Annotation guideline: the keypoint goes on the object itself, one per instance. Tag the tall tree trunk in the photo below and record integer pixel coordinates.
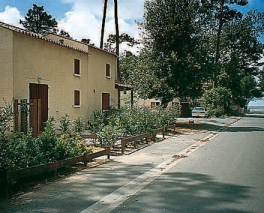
(103, 24)
(217, 50)
(219, 31)
(117, 37)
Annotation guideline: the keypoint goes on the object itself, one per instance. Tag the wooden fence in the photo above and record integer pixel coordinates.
(145, 137)
(38, 169)
(51, 167)
(21, 115)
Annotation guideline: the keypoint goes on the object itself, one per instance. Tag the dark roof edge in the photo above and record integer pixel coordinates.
(38, 36)
(89, 45)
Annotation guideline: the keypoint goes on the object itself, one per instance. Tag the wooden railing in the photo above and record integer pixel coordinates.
(134, 140)
(145, 137)
(91, 136)
(38, 169)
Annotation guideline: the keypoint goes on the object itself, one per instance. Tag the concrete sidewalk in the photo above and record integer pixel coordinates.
(103, 188)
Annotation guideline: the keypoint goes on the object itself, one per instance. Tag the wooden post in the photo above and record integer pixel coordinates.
(118, 99)
(108, 155)
(23, 112)
(33, 116)
(85, 159)
(16, 115)
(132, 98)
(39, 116)
(154, 136)
(122, 146)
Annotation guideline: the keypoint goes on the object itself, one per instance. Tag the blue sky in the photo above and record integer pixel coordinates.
(69, 14)
(81, 18)
(55, 7)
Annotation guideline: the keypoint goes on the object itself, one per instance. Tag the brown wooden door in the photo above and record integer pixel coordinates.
(40, 91)
(105, 101)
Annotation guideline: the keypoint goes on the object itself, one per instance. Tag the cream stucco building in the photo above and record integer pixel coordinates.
(66, 75)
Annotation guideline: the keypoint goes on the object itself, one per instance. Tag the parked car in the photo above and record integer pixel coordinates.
(200, 112)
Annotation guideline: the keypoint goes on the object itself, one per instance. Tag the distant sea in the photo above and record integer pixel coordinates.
(256, 105)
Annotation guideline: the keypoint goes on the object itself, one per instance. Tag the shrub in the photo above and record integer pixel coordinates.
(108, 125)
(110, 132)
(21, 151)
(217, 100)
(78, 125)
(65, 124)
(6, 116)
(47, 140)
(69, 147)
(96, 122)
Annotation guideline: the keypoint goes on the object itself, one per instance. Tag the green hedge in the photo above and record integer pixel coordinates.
(110, 124)
(23, 150)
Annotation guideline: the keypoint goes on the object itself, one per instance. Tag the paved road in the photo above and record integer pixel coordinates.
(185, 173)
(225, 175)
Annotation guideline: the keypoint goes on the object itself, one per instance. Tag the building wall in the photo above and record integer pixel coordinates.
(97, 81)
(6, 66)
(40, 61)
(126, 100)
(67, 41)
(97, 63)
(53, 65)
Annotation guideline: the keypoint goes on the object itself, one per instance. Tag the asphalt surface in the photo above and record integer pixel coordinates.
(189, 172)
(224, 175)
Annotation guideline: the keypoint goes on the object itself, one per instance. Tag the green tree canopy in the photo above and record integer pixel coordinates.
(217, 100)
(110, 45)
(64, 34)
(240, 53)
(39, 21)
(188, 43)
(172, 30)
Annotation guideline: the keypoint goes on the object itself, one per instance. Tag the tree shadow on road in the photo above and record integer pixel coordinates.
(171, 192)
(187, 192)
(244, 129)
(197, 126)
(218, 125)
(256, 115)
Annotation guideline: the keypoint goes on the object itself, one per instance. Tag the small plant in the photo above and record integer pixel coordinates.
(217, 100)
(96, 122)
(47, 140)
(109, 135)
(69, 147)
(6, 116)
(65, 124)
(78, 125)
(25, 112)
(21, 151)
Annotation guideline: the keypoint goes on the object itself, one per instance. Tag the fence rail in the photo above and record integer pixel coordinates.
(38, 169)
(145, 136)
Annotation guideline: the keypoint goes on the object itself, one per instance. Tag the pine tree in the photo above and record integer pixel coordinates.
(39, 21)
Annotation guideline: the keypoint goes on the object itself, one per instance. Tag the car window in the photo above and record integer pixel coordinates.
(199, 108)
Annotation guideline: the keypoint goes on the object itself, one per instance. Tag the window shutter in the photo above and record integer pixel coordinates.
(77, 66)
(76, 97)
(107, 70)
